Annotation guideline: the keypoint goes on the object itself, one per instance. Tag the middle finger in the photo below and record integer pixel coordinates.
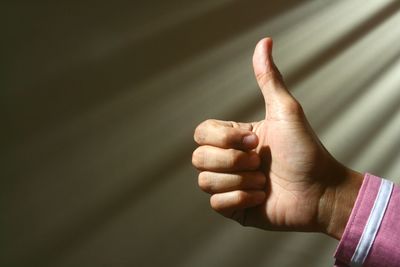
(224, 160)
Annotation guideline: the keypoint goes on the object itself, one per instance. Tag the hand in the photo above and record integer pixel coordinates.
(274, 174)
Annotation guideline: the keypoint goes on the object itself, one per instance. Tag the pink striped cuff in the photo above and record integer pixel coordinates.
(372, 234)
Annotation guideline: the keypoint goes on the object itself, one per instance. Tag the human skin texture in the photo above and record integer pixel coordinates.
(274, 174)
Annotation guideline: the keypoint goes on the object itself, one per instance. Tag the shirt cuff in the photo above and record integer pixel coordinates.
(372, 233)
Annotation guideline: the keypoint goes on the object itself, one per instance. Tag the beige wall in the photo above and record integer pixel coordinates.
(99, 102)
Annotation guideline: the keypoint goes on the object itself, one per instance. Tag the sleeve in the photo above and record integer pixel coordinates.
(372, 234)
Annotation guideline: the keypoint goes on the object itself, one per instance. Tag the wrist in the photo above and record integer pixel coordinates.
(338, 201)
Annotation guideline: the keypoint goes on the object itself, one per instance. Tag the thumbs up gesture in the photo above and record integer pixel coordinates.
(274, 174)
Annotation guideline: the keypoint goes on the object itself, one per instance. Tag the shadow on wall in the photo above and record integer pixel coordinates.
(327, 54)
(88, 83)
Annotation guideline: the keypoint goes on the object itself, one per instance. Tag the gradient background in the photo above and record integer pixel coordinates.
(99, 100)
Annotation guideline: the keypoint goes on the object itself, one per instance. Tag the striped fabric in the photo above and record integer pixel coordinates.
(373, 223)
(371, 237)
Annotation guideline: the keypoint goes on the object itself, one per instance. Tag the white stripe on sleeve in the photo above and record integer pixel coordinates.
(373, 224)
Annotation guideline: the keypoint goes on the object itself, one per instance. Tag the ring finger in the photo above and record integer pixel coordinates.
(214, 182)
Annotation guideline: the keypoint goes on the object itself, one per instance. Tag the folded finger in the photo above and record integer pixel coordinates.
(214, 182)
(225, 134)
(227, 203)
(224, 160)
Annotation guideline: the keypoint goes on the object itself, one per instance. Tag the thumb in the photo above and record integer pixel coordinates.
(273, 88)
(268, 76)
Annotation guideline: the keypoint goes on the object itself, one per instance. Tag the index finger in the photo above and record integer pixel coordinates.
(224, 134)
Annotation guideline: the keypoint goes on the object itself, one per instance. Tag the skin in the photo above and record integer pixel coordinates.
(274, 174)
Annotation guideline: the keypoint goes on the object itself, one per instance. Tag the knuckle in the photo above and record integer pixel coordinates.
(215, 203)
(199, 133)
(197, 157)
(204, 181)
(203, 130)
(270, 75)
(263, 75)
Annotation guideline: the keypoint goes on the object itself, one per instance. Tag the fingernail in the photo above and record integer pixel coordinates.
(250, 140)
